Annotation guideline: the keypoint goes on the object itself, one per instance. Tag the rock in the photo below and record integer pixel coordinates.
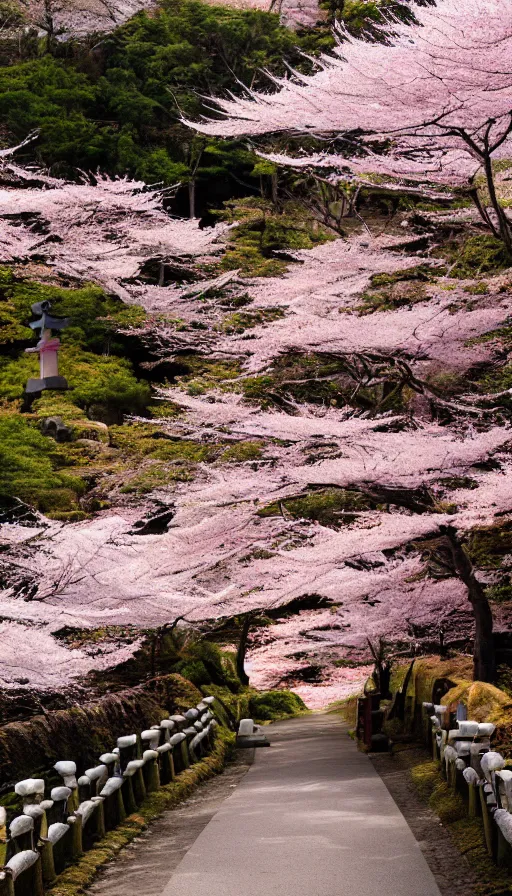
(93, 431)
(380, 743)
(154, 524)
(56, 429)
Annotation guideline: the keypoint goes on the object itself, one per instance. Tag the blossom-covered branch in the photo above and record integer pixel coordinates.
(434, 105)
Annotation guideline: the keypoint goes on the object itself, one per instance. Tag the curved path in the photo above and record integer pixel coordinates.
(310, 818)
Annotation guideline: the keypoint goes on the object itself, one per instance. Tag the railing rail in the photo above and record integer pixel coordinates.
(475, 771)
(53, 830)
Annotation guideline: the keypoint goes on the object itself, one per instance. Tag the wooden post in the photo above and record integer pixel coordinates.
(488, 826)
(367, 722)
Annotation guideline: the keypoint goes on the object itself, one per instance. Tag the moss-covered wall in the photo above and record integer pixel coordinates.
(82, 733)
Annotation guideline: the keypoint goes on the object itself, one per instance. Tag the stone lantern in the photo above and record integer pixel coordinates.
(47, 347)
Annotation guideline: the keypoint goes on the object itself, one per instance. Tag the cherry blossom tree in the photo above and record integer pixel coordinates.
(434, 105)
(62, 19)
(233, 547)
(101, 229)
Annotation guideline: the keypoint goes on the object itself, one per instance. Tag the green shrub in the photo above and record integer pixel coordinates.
(104, 385)
(195, 671)
(29, 468)
(272, 705)
(94, 316)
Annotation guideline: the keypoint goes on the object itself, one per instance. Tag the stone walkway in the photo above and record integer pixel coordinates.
(310, 818)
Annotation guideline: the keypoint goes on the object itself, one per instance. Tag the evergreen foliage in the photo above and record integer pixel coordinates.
(268, 705)
(118, 110)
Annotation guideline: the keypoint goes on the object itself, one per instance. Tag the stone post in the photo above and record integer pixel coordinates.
(115, 811)
(150, 770)
(134, 771)
(128, 748)
(24, 866)
(22, 876)
(180, 751)
(67, 771)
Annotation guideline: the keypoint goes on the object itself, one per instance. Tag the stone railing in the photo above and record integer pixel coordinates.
(476, 772)
(53, 830)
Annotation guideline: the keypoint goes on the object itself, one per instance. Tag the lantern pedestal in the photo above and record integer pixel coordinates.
(35, 385)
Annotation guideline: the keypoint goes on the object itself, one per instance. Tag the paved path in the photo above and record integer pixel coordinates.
(310, 818)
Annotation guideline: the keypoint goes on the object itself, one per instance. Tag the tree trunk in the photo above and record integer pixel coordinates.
(152, 661)
(192, 198)
(242, 649)
(484, 659)
(503, 222)
(274, 187)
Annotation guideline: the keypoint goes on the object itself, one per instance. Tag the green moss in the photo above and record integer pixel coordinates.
(201, 373)
(489, 545)
(165, 409)
(154, 477)
(183, 450)
(486, 703)
(244, 320)
(177, 692)
(241, 452)
(31, 468)
(388, 300)
(145, 440)
(477, 289)
(68, 516)
(479, 254)
(398, 673)
(429, 670)
(235, 705)
(499, 379)
(397, 289)
(247, 258)
(336, 507)
(422, 272)
(264, 231)
(501, 334)
(57, 404)
(500, 593)
(332, 506)
(271, 705)
(212, 370)
(446, 803)
(257, 388)
(458, 482)
(447, 383)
